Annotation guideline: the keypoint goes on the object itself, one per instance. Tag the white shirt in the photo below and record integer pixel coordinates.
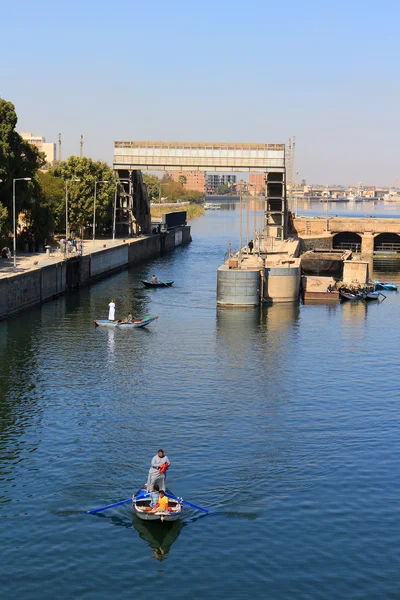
(111, 312)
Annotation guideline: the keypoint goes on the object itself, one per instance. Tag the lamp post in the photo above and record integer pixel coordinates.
(14, 224)
(94, 208)
(66, 207)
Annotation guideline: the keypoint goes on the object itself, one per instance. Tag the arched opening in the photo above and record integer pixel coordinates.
(387, 242)
(347, 241)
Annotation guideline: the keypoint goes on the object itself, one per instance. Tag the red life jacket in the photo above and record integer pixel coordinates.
(163, 468)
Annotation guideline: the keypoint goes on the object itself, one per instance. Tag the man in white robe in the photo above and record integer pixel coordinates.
(111, 311)
(154, 472)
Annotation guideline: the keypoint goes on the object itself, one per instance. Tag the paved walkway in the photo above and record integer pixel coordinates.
(37, 260)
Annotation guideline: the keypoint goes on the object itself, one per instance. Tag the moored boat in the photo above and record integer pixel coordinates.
(125, 324)
(157, 284)
(386, 285)
(373, 295)
(211, 206)
(350, 295)
(141, 506)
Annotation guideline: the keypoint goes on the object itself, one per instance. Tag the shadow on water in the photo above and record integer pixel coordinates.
(159, 536)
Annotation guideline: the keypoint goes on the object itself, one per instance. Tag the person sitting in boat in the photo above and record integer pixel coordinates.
(111, 311)
(129, 318)
(162, 504)
(154, 279)
(157, 471)
(154, 495)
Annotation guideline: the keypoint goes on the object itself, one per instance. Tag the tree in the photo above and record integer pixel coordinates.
(53, 197)
(81, 194)
(222, 189)
(182, 179)
(18, 158)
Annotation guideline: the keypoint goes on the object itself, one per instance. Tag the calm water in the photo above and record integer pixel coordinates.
(284, 421)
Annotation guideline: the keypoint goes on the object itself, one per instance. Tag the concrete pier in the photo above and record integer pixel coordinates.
(40, 278)
(271, 276)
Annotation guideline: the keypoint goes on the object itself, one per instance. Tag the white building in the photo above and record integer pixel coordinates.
(49, 148)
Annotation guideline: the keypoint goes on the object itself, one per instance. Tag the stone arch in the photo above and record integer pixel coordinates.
(347, 240)
(387, 242)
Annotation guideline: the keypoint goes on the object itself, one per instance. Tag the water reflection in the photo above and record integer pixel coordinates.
(159, 536)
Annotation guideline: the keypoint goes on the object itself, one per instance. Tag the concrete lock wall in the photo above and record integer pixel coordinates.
(238, 288)
(282, 284)
(355, 271)
(24, 290)
(108, 260)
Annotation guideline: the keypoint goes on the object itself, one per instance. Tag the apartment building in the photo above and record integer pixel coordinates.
(49, 148)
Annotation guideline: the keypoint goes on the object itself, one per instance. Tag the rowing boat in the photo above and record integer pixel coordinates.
(386, 285)
(125, 324)
(141, 505)
(350, 296)
(157, 284)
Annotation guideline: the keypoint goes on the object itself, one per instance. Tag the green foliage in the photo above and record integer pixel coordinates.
(53, 198)
(170, 189)
(3, 219)
(182, 179)
(223, 189)
(81, 194)
(18, 158)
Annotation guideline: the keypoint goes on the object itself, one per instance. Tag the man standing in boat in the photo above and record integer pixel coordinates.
(154, 279)
(111, 311)
(157, 471)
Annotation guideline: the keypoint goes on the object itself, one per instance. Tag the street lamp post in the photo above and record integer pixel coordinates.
(14, 224)
(94, 208)
(66, 208)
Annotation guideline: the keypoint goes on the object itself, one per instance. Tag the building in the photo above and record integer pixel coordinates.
(256, 183)
(195, 180)
(49, 148)
(213, 180)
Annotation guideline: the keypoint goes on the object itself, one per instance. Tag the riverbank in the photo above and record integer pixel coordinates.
(41, 278)
(193, 211)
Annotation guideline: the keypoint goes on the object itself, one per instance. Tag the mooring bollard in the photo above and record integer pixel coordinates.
(48, 248)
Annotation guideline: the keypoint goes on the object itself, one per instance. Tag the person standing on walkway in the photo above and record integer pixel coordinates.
(157, 471)
(111, 311)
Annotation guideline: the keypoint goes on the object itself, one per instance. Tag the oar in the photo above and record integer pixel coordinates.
(186, 503)
(97, 510)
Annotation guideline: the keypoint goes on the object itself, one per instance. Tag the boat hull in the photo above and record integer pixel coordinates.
(159, 284)
(125, 324)
(386, 285)
(141, 502)
(346, 296)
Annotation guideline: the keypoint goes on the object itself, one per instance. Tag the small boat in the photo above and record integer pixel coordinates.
(350, 296)
(212, 206)
(125, 324)
(372, 295)
(386, 285)
(141, 505)
(157, 284)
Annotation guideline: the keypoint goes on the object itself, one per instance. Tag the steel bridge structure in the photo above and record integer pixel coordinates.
(133, 157)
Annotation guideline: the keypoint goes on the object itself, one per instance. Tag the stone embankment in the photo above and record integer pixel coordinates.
(36, 281)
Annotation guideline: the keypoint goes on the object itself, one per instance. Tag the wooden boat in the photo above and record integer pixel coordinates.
(350, 296)
(158, 284)
(141, 504)
(125, 324)
(372, 295)
(386, 285)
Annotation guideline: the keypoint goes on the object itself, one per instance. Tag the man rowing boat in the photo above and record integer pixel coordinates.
(157, 471)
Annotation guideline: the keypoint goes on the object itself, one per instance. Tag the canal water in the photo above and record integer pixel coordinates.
(282, 421)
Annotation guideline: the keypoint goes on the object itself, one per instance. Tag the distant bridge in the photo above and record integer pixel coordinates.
(132, 157)
(363, 234)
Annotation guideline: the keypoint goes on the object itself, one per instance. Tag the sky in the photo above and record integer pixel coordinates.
(212, 70)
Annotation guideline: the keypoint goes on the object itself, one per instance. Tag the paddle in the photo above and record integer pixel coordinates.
(97, 510)
(186, 503)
